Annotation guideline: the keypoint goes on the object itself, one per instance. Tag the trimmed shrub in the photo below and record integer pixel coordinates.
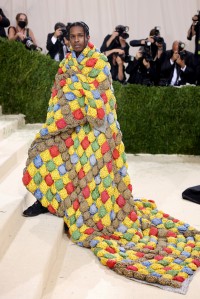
(26, 78)
(159, 119)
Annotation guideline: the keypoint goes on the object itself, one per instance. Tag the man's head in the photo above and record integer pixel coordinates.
(178, 46)
(78, 36)
(155, 31)
(59, 25)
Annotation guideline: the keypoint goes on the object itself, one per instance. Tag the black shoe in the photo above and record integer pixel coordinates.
(66, 228)
(35, 209)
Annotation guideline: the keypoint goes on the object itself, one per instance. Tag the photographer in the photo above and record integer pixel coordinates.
(57, 42)
(177, 66)
(194, 30)
(116, 49)
(141, 69)
(4, 22)
(155, 41)
(155, 45)
(23, 34)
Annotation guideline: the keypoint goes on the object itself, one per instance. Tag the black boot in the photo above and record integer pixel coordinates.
(35, 209)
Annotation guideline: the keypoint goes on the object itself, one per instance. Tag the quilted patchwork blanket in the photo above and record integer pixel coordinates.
(77, 168)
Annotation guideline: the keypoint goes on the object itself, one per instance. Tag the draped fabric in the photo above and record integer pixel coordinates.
(77, 168)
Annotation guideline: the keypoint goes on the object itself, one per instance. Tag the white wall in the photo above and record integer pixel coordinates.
(173, 16)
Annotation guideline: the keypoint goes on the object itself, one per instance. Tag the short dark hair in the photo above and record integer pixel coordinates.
(58, 25)
(81, 24)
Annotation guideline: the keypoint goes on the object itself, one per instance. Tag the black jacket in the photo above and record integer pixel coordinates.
(3, 23)
(197, 38)
(56, 48)
(167, 69)
(139, 74)
(115, 44)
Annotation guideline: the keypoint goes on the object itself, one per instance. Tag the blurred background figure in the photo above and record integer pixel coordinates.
(177, 66)
(22, 33)
(155, 42)
(58, 42)
(141, 69)
(194, 30)
(116, 49)
(152, 47)
(4, 22)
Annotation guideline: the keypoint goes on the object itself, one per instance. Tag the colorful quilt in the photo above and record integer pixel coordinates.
(77, 168)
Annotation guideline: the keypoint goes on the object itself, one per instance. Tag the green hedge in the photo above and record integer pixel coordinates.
(160, 119)
(26, 78)
(153, 119)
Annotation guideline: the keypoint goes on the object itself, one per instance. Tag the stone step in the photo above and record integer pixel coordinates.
(27, 262)
(12, 202)
(15, 147)
(10, 124)
(28, 246)
(13, 155)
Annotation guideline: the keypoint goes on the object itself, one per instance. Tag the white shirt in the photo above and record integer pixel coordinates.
(174, 77)
(57, 57)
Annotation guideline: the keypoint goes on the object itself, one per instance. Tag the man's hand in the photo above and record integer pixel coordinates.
(58, 32)
(120, 51)
(175, 56)
(180, 62)
(115, 34)
(146, 63)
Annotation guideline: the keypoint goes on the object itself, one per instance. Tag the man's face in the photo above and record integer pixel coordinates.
(78, 39)
(175, 46)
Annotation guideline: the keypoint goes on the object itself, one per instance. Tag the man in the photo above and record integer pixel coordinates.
(142, 69)
(194, 30)
(177, 66)
(4, 22)
(77, 170)
(116, 49)
(57, 42)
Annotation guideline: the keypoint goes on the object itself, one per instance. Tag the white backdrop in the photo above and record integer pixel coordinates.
(173, 16)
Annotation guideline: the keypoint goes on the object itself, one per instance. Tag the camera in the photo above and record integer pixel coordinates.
(122, 30)
(182, 55)
(126, 58)
(181, 46)
(157, 30)
(147, 43)
(158, 39)
(197, 19)
(65, 32)
(146, 52)
(30, 45)
(147, 56)
(181, 51)
(129, 58)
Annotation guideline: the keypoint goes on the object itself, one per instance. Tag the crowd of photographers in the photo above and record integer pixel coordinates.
(152, 64)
